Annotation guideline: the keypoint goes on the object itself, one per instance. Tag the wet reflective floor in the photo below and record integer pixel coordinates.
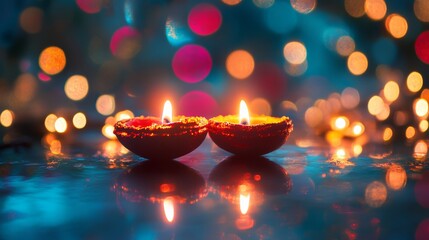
(103, 192)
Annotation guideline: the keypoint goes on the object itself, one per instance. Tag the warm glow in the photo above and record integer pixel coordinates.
(295, 52)
(357, 63)
(55, 147)
(50, 122)
(357, 150)
(79, 120)
(421, 10)
(244, 114)
(396, 177)
(122, 115)
(313, 116)
(169, 209)
(340, 123)
(384, 114)
(260, 106)
(107, 131)
(6, 118)
(391, 91)
(350, 98)
(410, 132)
(396, 25)
(167, 113)
(240, 64)
(414, 82)
(423, 125)
(105, 104)
(244, 203)
(60, 125)
(341, 153)
(375, 105)
(52, 60)
(345, 45)
(355, 8)
(375, 9)
(387, 134)
(421, 107)
(303, 6)
(76, 87)
(420, 149)
(231, 2)
(375, 194)
(358, 128)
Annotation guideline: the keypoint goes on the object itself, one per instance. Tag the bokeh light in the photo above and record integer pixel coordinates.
(357, 63)
(295, 52)
(375, 9)
(176, 33)
(198, 103)
(421, 10)
(240, 64)
(6, 118)
(25, 87)
(387, 134)
(76, 87)
(340, 123)
(107, 131)
(105, 104)
(50, 122)
(345, 45)
(263, 3)
(125, 43)
(375, 105)
(375, 194)
(303, 6)
(313, 116)
(391, 91)
(260, 106)
(358, 128)
(423, 125)
(355, 8)
(420, 150)
(350, 98)
(231, 2)
(410, 132)
(55, 147)
(60, 125)
(421, 107)
(414, 82)
(79, 120)
(122, 115)
(396, 25)
(52, 60)
(396, 177)
(31, 19)
(90, 6)
(422, 47)
(204, 19)
(192, 63)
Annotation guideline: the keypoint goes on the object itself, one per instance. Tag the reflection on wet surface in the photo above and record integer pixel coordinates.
(293, 193)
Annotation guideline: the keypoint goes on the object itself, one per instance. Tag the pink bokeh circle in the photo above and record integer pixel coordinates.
(192, 63)
(204, 19)
(198, 103)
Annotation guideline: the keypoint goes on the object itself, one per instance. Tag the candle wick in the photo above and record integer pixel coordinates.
(244, 122)
(166, 120)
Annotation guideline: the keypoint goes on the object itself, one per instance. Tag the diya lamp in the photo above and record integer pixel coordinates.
(245, 135)
(167, 184)
(166, 138)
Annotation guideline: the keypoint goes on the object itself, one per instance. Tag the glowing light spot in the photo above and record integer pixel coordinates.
(414, 82)
(296, 69)
(391, 91)
(76, 87)
(198, 103)
(176, 33)
(169, 208)
(240, 64)
(43, 77)
(263, 3)
(334, 138)
(295, 52)
(375, 105)
(384, 114)
(244, 203)
(31, 19)
(375, 194)
(125, 43)
(340, 123)
(387, 134)
(420, 150)
(421, 10)
(350, 98)
(425, 94)
(421, 107)
(303, 6)
(105, 104)
(396, 177)
(313, 116)
(410, 132)
(50, 122)
(423, 125)
(288, 105)
(341, 153)
(52, 60)
(357, 150)
(355, 8)
(60, 125)
(396, 25)
(79, 120)
(357, 63)
(204, 19)
(6, 118)
(89, 6)
(375, 9)
(107, 131)
(358, 128)
(192, 63)
(55, 147)
(345, 46)
(260, 106)
(421, 47)
(25, 87)
(122, 115)
(231, 2)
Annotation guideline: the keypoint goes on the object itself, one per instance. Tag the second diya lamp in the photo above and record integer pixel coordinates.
(166, 138)
(245, 135)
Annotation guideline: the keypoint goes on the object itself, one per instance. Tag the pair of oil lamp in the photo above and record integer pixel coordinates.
(171, 137)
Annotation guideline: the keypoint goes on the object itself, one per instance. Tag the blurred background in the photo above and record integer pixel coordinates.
(345, 71)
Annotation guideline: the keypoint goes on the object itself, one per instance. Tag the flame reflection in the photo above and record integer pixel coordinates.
(169, 209)
(244, 203)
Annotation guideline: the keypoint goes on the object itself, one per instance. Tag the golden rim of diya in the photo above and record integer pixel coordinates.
(152, 126)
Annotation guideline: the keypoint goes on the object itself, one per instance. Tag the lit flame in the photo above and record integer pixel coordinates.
(244, 203)
(167, 114)
(169, 209)
(244, 114)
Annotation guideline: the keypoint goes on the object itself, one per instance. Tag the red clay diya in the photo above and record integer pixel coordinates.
(153, 138)
(244, 135)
